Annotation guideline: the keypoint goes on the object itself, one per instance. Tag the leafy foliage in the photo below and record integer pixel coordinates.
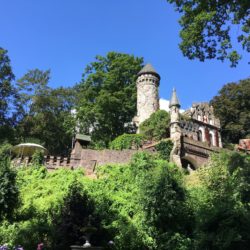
(5, 149)
(77, 219)
(42, 196)
(7, 93)
(223, 203)
(38, 102)
(128, 198)
(8, 189)
(107, 96)
(127, 141)
(146, 204)
(156, 127)
(232, 106)
(164, 148)
(206, 28)
(168, 217)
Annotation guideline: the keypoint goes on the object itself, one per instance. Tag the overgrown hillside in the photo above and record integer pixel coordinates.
(147, 204)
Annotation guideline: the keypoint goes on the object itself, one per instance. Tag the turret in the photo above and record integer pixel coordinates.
(174, 106)
(147, 93)
(175, 129)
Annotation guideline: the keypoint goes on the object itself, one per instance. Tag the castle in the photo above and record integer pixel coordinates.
(195, 133)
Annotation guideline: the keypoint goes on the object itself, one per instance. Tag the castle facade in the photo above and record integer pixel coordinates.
(195, 132)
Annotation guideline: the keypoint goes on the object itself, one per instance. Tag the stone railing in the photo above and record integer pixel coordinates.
(54, 162)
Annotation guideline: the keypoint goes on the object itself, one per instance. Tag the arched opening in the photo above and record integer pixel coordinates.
(212, 138)
(188, 165)
(210, 141)
(199, 135)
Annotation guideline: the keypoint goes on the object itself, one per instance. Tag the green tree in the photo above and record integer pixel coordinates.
(8, 189)
(7, 94)
(164, 149)
(223, 219)
(107, 96)
(76, 220)
(156, 127)
(167, 215)
(45, 113)
(232, 106)
(206, 28)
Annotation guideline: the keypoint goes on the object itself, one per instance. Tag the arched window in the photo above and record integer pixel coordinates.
(199, 135)
(210, 142)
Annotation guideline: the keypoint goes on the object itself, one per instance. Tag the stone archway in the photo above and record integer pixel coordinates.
(189, 162)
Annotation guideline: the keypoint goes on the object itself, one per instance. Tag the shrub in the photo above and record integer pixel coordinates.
(5, 149)
(127, 141)
(8, 189)
(164, 149)
(156, 127)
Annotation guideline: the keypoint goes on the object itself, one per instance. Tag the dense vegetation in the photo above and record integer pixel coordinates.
(156, 127)
(146, 204)
(127, 141)
(232, 106)
(107, 96)
(104, 101)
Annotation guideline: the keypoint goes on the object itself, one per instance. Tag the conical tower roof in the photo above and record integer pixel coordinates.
(174, 99)
(148, 69)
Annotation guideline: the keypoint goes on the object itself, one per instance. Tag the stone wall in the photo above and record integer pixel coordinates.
(90, 159)
(87, 159)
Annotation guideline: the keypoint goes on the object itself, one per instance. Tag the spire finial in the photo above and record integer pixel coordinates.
(174, 99)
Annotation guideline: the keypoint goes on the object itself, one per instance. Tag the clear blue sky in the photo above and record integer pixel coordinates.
(66, 35)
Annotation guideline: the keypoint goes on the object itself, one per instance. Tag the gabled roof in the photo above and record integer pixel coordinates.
(148, 69)
(83, 137)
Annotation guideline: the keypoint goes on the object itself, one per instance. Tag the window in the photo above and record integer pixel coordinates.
(199, 135)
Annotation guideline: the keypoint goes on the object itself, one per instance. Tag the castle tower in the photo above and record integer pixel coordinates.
(174, 106)
(175, 129)
(147, 93)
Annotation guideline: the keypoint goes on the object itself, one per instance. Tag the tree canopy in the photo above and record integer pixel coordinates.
(107, 96)
(7, 94)
(44, 113)
(232, 106)
(156, 127)
(207, 28)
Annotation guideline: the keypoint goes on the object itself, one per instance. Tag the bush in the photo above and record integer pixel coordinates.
(164, 149)
(8, 189)
(223, 215)
(156, 127)
(42, 197)
(38, 158)
(133, 199)
(5, 149)
(127, 141)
